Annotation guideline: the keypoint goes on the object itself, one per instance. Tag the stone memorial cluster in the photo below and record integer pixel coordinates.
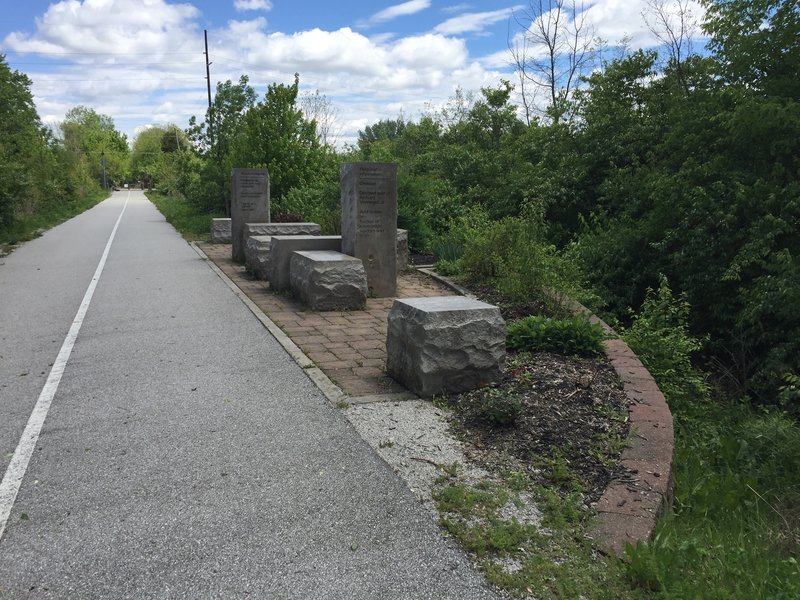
(434, 345)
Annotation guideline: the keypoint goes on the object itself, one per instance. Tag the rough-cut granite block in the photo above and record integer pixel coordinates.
(445, 344)
(402, 250)
(326, 280)
(281, 229)
(220, 231)
(280, 254)
(256, 255)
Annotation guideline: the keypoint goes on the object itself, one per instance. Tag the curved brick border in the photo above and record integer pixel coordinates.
(629, 508)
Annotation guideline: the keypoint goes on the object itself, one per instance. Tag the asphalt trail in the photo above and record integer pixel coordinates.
(185, 455)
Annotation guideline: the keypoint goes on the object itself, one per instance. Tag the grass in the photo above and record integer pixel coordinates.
(26, 227)
(183, 217)
(735, 529)
(551, 560)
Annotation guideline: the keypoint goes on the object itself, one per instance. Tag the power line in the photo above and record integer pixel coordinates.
(24, 52)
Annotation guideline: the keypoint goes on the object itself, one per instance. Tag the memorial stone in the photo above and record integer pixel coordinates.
(249, 204)
(402, 250)
(369, 222)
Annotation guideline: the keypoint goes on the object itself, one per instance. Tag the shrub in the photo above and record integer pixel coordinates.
(660, 337)
(567, 336)
(515, 255)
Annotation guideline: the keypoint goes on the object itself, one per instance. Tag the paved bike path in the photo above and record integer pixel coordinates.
(185, 454)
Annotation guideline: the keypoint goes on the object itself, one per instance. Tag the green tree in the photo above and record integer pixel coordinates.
(89, 137)
(274, 134)
(757, 44)
(214, 140)
(23, 145)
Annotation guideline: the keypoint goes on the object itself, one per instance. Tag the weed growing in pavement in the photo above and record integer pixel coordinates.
(342, 403)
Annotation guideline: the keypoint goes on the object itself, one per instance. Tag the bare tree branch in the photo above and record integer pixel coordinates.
(555, 47)
(674, 25)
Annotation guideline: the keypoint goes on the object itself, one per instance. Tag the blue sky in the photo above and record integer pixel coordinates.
(141, 61)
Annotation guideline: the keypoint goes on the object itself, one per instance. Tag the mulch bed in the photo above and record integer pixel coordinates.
(572, 426)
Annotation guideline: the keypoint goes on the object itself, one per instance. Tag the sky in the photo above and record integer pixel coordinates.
(141, 62)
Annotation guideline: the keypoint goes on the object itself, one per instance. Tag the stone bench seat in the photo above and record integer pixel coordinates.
(257, 243)
(281, 229)
(444, 345)
(256, 255)
(328, 280)
(282, 247)
(220, 231)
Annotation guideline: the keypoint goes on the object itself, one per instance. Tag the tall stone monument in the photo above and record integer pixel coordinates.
(369, 222)
(249, 204)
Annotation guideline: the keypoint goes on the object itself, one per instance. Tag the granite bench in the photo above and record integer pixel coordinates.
(257, 243)
(328, 280)
(220, 231)
(444, 345)
(282, 247)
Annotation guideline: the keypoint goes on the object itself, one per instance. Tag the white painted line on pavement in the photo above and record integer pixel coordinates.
(27, 443)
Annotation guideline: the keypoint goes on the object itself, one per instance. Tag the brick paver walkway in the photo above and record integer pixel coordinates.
(349, 346)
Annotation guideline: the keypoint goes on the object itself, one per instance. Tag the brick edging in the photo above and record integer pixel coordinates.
(630, 506)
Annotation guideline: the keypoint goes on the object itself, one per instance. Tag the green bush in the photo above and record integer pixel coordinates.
(516, 257)
(575, 336)
(660, 337)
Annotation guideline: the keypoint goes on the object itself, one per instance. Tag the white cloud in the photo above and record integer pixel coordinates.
(456, 8)
(473, 22)
(141, 61)
(241, 5)
(400, 10)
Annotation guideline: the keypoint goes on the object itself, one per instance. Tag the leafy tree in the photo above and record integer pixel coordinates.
(274, 134)
(757, 44)
(89, 137)
(214, 139)
(22, 143)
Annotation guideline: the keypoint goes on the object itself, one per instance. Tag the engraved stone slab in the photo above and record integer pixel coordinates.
(402, 250)
(326, 280)
(444, 345)
(220, 231)
(281, 229)
(282, 247)
(369, 222)
(256, 254)
(249, 204)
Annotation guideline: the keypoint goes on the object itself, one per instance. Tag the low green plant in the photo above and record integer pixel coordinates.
(498, 407)
(447, 267)
(514, 255)
(574, 336)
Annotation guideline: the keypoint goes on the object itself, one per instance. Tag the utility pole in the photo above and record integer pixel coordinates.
(208, 71)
